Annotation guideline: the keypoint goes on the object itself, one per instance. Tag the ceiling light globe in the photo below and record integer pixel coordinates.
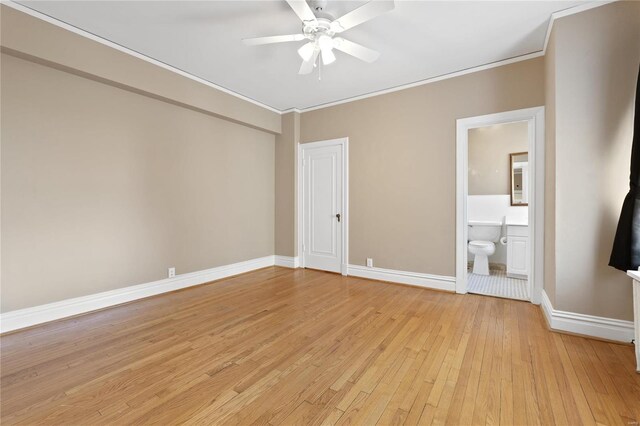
(325, 42)
(328, 57)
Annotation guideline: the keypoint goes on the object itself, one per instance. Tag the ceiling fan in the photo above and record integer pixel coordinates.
(320, 29)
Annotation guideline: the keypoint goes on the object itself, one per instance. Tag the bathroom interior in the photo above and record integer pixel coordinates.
(497, 211)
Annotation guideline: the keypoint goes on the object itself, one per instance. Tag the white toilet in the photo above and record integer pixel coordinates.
(483, 237)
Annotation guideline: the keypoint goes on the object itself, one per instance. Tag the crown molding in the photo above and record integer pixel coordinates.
(123, 49)
(428, 80)
(554, 16)
(568, 12)
(287, 111)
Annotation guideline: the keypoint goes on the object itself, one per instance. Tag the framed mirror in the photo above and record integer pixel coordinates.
(519, 178)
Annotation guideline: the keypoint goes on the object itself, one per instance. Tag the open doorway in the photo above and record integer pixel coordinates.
(500, 196)
(497, 207)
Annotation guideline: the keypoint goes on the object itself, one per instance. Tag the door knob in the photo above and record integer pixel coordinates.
(338, 217)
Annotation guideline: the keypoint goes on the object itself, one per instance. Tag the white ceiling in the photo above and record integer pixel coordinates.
(418, 40)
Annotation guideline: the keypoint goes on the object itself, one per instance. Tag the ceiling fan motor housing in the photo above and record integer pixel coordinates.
(313, 30)
(318, 5)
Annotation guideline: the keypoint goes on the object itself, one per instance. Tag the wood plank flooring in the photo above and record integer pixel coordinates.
(280, 346)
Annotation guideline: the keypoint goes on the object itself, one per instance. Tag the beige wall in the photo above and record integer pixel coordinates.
(41, 41)
(596, 64)
(402, 161)
(103, 188)
(550, 170)
(285, 170)
(489, 160)
(107, 188)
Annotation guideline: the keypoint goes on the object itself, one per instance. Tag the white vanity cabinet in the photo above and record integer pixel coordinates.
(518, 251)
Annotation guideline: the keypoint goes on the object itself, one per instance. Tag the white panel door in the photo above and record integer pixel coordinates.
(323, 216)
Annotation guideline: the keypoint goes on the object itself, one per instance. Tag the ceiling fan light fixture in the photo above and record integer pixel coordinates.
(325, 42)
(306, 51)
(320, 28)
(328, 57)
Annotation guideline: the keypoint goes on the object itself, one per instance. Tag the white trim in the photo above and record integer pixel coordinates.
(567, 12)
(437, 282)
(287, 261)
(552, 19)
(636, 313)
(287, 111)
(535, 118)
(123, 49)
(427, 81)
(635, 275)
(556, 15)
(27, 317)
(588, 325)
(344, 143)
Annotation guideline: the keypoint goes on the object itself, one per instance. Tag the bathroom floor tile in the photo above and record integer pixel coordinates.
(498, 284)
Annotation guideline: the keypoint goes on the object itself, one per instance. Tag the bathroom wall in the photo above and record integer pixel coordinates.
(489, 149)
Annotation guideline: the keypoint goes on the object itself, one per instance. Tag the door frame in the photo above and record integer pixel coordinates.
(535, 118)
(344, 145)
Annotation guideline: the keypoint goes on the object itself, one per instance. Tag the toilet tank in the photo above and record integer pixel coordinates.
(484, 231)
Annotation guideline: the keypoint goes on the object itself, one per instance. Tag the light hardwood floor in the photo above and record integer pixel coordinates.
(280, 346)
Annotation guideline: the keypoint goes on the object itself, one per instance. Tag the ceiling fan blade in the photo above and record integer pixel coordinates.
(302, 9)
(362, 14)
(355, 49)
(256, 41)
(307, 66)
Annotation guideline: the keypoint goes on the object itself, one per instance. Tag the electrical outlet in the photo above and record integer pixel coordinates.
(369, 262)
(172, 272)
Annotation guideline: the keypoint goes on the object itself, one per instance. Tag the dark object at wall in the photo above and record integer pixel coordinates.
(625, 254)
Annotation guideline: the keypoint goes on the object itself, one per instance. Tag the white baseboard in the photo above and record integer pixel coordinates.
(287, 261)
(437, 282)
(588, 325)
(27, 317)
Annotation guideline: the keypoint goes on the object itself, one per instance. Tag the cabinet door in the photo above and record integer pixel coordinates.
(517, 259)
